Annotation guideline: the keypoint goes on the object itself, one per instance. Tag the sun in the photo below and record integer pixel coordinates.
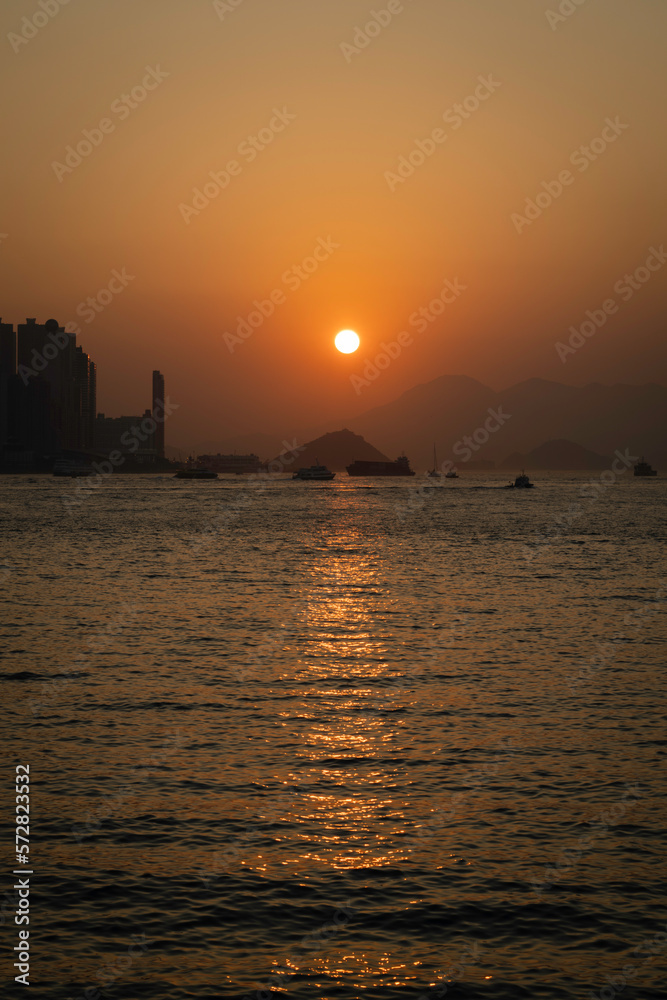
(347, 341)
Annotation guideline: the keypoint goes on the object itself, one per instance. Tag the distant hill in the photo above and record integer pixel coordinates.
(337, 450)
(557, 455)
(598, 418)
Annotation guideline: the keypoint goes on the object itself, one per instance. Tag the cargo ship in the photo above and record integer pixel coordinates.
(401, 467)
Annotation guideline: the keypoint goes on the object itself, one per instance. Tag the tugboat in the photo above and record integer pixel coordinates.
(521, 482)
(315, 472)
(642, 468)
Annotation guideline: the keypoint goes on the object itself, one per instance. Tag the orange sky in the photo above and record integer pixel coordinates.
(325, 173)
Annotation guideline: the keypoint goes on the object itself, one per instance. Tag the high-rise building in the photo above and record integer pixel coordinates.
(7, 372)
(48, 403)
(84, 378)
(158, 412)
(47, 353)
(92, 401)
(26, 432)
(7, 349)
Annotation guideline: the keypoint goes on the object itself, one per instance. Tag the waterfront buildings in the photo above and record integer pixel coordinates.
(48, 403)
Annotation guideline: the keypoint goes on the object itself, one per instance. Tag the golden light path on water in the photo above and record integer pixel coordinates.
(356, 728)
(335, 742)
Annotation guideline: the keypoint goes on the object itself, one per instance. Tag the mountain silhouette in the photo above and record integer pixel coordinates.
(337, 450)
(557, 455)
(598, 418)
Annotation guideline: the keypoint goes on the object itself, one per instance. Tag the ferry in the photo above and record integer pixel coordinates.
(315, 472)
(401, 467)
(642, 468)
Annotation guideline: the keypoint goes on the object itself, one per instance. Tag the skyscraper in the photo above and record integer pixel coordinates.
(7, 372)
(7, 349)
(47, 353)
(158, 412)
(84, 379)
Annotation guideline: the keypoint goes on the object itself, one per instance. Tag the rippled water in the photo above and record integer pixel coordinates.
(359, 739)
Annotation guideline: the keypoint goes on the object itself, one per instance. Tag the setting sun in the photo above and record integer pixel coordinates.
(347, 341)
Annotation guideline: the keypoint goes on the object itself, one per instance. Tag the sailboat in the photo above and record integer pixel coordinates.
(435, 473)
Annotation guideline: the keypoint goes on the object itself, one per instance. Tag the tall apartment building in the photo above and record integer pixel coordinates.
(47, 353)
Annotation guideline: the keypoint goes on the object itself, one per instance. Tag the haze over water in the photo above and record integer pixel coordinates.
(295, 733)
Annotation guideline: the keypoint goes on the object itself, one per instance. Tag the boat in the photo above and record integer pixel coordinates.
(401, 467)
(642, 468)
(195, 474)
(521, 482)
(435, 473)
(315, 472)
(452, 474)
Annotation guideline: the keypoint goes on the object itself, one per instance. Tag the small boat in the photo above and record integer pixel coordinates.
(642, 468)
(435, 473)
(315, 472)
(521, 482)
(195, 474)
(452, 474)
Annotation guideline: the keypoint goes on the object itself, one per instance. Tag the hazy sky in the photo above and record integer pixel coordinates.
(333, 112)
